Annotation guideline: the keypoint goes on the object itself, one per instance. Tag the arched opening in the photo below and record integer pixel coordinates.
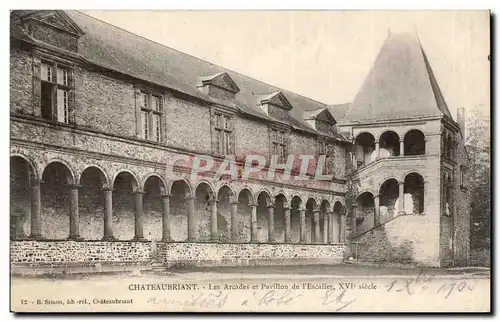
(296, 204)
(179, 193)
(124, 186)
(55, 195)
(280, 203)
(153, 208)
(203, 205)
(264, 202)
(91, 203)
(448, 195)
(338, 212)
(311, 205)
(245, 201)
(389, 144)
(364, 148)
(414, 193)
(414, 143)
(365, 212)
(324, 222)
(389, 194)
(21, 177)
(224, 224)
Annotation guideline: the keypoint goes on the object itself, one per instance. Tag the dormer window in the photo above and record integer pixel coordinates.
(274, 104)
(219, 86)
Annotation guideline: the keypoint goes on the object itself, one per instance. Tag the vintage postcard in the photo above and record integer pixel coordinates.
(249, 161)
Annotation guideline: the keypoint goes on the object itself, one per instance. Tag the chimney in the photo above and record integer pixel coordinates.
(461, 120)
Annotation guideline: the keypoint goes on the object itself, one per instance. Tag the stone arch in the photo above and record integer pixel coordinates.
(226, 186)
(104, 174)
(336, 223)
(264, 206)
(250, 195)
(93, 179)
(414, 142)
(365, 211)
(280, 206)
(163, 186)
(388, 194)
(180, 195)
(389, 144)
(364, 147)
(71, 177)
(204, 194)
(296, 204)
(414, 193)
(125, 185)
(246, 202)
(311, 206)
(57, 176)
(225, 203)
(22, 177)
(324, 221)
(154, 188)
(31, 163)
(136, 184)
(208, 184)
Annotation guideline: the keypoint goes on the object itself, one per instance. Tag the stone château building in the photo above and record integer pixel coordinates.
(98, 114)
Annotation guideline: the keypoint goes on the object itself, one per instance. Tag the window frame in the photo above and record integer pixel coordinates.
(146, 108)
(325, 148)
(223, 133)
(279, 143)
(66, 88)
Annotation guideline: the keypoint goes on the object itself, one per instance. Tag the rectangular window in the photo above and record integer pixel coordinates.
(151, 113)
(63, 76)
(62, 106)
(223, 134)
(145, 125)
(46, 74)
(278, 144)
(55, 92)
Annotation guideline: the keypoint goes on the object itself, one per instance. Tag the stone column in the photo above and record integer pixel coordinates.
(302, 212)
(253, 222)
(342, 228)
(424, 198)
(270, 211)
(139, 217)
(165, 198)
(108, 214)
(36, 230)
(326, 232)
(377, 150)
(401, 147)
(214, 231)
(376, 202)
(331, 227)
(74, 231)
(316, 225)
(191, 220)
(234, 214)
(353, 218)
(288, 225)
(401, 198)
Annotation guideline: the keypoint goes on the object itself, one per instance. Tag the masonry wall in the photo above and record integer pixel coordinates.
(21, 81)
(187, 254)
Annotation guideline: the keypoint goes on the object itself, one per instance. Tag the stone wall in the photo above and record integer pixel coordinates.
(213, 254)
(43, 252)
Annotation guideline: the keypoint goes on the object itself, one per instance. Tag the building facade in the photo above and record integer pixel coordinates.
(99, 116)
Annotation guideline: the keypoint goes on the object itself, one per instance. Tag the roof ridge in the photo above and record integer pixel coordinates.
(198, 58)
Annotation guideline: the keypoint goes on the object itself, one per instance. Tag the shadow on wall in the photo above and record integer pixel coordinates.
(375, 247)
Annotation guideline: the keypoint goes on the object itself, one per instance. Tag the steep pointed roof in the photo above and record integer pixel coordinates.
(400, 84)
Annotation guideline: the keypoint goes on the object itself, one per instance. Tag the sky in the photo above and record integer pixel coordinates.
(324, 55)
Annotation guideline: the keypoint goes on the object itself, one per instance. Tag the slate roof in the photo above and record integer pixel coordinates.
(400, 85)
(109, 46)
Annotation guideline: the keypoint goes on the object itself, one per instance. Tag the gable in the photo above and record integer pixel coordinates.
(50, 26)
(276, 99)
(221, 80)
